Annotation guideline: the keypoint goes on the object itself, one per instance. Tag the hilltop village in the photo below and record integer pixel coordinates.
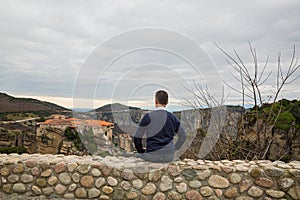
(59, 134)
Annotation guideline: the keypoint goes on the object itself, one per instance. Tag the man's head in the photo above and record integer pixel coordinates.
(161, 97)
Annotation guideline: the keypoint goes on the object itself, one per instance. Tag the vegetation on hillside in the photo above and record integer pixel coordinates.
(18, 149)
(72, 135)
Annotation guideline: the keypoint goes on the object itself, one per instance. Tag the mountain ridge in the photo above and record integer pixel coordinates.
(10, 103)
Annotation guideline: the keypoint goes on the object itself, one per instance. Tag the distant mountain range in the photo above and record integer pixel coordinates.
(12, 104)
(115, 107)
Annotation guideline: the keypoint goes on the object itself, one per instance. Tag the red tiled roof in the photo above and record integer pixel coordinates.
(75, 121)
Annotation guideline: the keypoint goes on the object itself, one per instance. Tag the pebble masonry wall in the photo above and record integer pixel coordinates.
(72, 177)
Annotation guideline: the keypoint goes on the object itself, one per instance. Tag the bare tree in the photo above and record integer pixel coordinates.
(255, 130)
(252, 85)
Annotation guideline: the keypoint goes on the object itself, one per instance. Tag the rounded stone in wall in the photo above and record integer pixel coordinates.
(45, 165)
(217, 181)
(159, 196)
(131, 195)
(64, 178)
(294, 192)
(255, 172)
(178, 179)
(93, 193)
(244, 185)
(18, 168)
(195, 184)
(244, 198)
(127, 174)
(286, 183)
(155, 175)
(99, 182)
(60, 167)
(35, 171)
(60, 189)
(137, 183)
(206, 191)
(231, 192)
(76, 177)
(218, 192)
(72, 187)
(112, 181)
(193, 195)
(174, 195)
(87, 181)
(264, 182)
(41, 182)
(84, 168)
(36, 190)
(107, 189)
(295, 172)
(275, 194)
(125, 185)
(173, 170)
(47, 191)
(30, 163)
(96, 172)
(7, 188)
(80, 193)
(25, 178)
(5, 171)
(69, 196)
(166, 183)
(52, 180)
(118, 194)
(13, 178)
(204, 174)
(188, 174)
(255, 191)
(72, 166)
(19, 188)
(235, 178)
(149, 189)
(274, 171)
(181, 187)
(46, 173)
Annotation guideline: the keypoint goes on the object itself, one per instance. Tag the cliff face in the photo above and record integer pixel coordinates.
(205, 121)
(239, 136)
(18, 134)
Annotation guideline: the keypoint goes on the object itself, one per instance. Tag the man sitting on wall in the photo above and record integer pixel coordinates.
(160, 127)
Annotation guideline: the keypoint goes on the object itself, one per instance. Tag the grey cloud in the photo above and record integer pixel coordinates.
(43, 43)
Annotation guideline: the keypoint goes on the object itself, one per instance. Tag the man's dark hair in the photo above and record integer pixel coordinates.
(162, 97)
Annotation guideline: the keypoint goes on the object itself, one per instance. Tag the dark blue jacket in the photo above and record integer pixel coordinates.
(159, 127)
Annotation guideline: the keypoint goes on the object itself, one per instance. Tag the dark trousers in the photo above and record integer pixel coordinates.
(157, 156)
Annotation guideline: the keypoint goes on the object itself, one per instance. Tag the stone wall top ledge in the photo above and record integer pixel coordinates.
(132, 162)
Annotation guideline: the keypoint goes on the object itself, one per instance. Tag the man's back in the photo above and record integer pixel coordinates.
(160, 127)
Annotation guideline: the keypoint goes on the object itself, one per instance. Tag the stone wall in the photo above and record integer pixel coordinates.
(33, 176)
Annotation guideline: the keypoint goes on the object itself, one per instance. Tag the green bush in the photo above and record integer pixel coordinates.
(92, 147)
(72, 135)
(104, 153)
(8, 150)
(285, 120)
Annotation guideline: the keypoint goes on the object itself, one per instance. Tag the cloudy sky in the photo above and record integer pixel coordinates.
(121, 51)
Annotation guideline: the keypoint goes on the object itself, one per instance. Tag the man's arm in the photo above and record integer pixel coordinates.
(181, 137)
(137, 139)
